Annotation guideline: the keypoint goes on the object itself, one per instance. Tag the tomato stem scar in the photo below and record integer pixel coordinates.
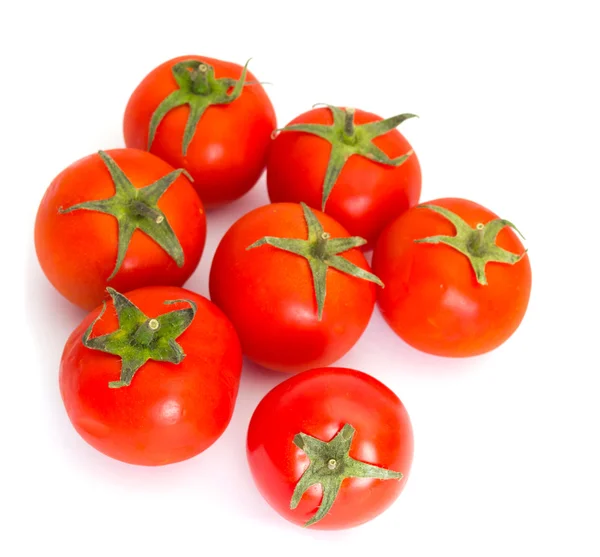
(136, 209)
(321, 251)
(478, 243)
(197, 88)
(347, 139)
(330, 464)
(140, 338)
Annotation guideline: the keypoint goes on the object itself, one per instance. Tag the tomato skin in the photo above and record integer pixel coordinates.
(78, 251)
(169, 412)
(319, 402)
(432, 299)
(366, 196)
(228, 152)
(269, 294)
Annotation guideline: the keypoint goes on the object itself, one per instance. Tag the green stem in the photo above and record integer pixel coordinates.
(349, 124)
(144, 210)
(330, 464)
(198, 89)
(478, 243)
(140, 338)
(348, 138)
(200, 81)
(145, 332)
(320, 246)
(321, 251)
(478, 240)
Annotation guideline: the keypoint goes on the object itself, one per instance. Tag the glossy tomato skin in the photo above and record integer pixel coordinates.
(78, 251)
(319, 402)
(228, 152)
(432, 299)
(169, 412)
(366, 196)
(269, 294)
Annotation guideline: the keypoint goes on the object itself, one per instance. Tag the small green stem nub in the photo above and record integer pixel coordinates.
(478, 242)
(349, 123)
(320, 246)
(200, 80)
(144, 210)
(145, 332)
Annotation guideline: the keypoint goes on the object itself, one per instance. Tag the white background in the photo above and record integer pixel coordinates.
(506, 457)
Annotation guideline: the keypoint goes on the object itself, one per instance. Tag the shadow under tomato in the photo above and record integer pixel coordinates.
(256, 382)
(51, 320)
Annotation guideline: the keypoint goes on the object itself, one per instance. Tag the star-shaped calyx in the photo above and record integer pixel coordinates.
(478, 244)
(347, 139)
(140, 338)
(199, 89)
(330, 465)
(136, 209)
(321, 251)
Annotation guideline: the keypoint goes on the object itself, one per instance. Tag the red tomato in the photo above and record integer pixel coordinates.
(433, 298)
(130, 241)
(228, 151)
(270, 296)
(308, 432)
(178, 402)
(366, 195)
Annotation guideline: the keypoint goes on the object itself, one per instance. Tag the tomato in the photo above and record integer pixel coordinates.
(121, 218)
(158, 383)
(351, 164)
(330, 447)
(295, 300)
(457, 278)
(206, 118)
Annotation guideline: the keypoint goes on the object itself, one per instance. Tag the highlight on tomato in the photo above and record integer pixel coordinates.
(330, 448)
(211, 117)
(457, 278)
(151, 377)
(350, 164)
(121, 218)
(294, 285)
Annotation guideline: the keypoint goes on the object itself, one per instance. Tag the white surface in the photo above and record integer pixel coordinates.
(506, 456)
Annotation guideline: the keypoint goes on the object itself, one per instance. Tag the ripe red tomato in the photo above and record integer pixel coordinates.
(294, 301)
(206, 120)
(331, 447)
(160, 387)
(121, 218)
(444, 299)
(364, 195)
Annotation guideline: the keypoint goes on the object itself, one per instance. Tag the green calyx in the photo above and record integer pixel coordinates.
(478, 244)
(330, 465)
(199, 89)
(347, 139)
(136, 209)
(321, 251)
(140, 338)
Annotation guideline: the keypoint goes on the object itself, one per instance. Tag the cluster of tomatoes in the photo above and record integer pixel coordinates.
(151, 375)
